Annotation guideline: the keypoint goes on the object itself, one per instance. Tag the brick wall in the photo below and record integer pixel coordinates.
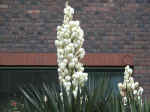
(111, 26)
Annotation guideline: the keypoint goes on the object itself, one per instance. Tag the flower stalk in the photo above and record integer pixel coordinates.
(69, 53)
(129, 88)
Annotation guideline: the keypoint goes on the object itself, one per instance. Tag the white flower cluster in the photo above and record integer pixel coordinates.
(129, 86)
(69, 52)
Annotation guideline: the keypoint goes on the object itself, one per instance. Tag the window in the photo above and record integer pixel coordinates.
(12, 77)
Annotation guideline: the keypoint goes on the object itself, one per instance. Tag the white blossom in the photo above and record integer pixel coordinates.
(140, 91)
(45, 99)
(125, 100)
(71, 65)
(69, 52)
(120, 85)
(129, 86)
(66, 71)
(61, 96)
(75, 92)
(133, 86)
(136, 84)
(62, 65)
(81, 69)
(70, 56)
(68, 78)
(131, 79)
(69, 10)
(135, 92)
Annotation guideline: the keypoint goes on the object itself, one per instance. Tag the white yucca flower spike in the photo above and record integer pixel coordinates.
(129, 86)
(69, 52)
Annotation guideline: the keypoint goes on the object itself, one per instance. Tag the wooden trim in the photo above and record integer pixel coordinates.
(49, 59)
(113, 59)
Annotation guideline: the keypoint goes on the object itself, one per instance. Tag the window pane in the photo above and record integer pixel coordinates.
(115, 75)
(11, 79)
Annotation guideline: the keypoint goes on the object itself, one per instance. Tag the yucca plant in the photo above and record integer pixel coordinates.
(115, 104)
(95, 98)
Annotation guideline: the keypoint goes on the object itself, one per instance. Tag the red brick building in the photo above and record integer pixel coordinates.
(116, 33)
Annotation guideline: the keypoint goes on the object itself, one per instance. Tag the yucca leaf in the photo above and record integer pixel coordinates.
(30, 99)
